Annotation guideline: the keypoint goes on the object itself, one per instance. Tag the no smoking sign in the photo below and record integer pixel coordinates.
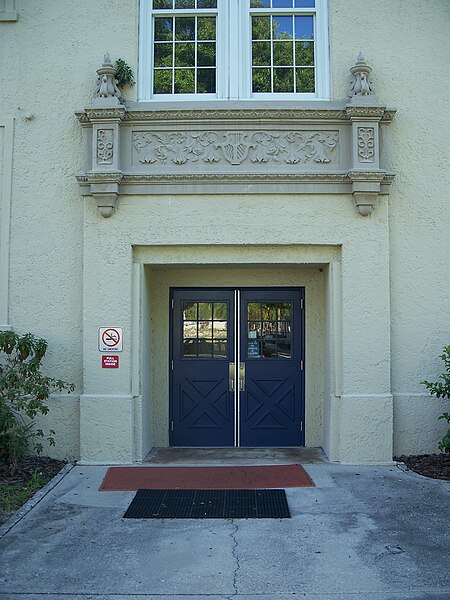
(110, 339)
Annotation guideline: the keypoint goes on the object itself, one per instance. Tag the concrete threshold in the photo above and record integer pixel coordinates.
(234, 456)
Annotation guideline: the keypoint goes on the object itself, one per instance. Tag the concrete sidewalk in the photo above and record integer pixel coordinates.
(375, 533)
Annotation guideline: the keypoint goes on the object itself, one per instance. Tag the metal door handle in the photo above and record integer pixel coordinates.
(242, 377)
(231, 377)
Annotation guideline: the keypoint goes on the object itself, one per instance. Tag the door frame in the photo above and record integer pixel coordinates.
(237, 334)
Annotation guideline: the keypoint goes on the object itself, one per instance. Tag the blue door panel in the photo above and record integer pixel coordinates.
(202, 406)
(272, 401)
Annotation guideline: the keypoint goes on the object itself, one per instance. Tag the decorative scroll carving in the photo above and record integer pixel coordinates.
(366, 144)
(235, 147)
(105, 146)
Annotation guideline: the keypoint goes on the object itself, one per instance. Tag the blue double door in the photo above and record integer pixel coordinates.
(237, 367)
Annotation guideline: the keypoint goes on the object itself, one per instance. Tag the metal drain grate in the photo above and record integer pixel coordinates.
(209, 504)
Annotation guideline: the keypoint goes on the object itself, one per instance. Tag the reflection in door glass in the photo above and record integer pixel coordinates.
(205, 329)
(269, 330)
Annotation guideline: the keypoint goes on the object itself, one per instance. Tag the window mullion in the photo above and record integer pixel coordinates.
(234, 51)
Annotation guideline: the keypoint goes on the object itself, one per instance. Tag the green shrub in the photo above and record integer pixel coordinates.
(441, 389)
(124, 75)
(23, 394)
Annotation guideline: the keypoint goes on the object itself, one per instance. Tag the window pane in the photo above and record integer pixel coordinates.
(206, 28)
(184, 81)
(284, 348)
(304, 54)
(304, 3)
(190, 311)
(283, 80)
(254, 311)
(219, 311)
(282, 27)
(261, 81)
(282, 3)
(185, 28)
(269, 348)
(253, 348)
(206, 81)
(205, 329)
(305, 80)
(159, 4)
(261, 54)
(190, 348)
(283, 53)
(220, 348)
(206, 3)
(220, 329)
(163, 55)
(205, 311)
(269, 312)
(260, 3)
(163, 29)
(190, 329)
(162, 82)
(184, 3)
(205, 348)
(206, 54)
(284, 311)
(185, 54)
(261, 28)
(304, 28)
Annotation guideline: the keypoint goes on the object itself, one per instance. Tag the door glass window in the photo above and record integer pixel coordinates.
(205, 330)
(269, 330)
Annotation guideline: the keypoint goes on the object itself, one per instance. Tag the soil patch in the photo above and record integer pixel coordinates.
(436, 466)
(31, 475)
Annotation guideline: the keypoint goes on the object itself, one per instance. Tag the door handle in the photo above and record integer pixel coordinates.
(242, 377)
(231, 376)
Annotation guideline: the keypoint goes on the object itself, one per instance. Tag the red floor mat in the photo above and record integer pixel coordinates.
(124, 479)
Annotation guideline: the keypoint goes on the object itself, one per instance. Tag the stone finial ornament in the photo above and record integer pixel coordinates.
(361, 85)
(106, 85)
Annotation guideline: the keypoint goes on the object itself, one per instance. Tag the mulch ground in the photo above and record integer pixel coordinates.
(45, 466)
(436, 466)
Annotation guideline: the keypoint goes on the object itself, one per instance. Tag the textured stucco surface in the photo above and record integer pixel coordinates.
(71, 271)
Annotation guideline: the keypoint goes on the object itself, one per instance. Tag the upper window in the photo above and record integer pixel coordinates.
(233, 49)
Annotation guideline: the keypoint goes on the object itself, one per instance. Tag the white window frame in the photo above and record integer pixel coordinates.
(234, 48)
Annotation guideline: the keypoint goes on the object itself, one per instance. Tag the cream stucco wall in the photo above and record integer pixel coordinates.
(385, 298)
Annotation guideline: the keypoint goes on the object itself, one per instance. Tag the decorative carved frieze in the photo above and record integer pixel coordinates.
(235, 147)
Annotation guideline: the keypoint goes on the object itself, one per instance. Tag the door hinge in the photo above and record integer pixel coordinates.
(301, 425)
(301, 365)
(171, 303)
(171, 364)
(301, 303)
(171, 425)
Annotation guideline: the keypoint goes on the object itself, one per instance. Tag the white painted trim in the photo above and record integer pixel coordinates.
(5, 231)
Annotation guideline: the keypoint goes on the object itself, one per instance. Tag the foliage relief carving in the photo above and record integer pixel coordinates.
(366, 144)
(235, 147)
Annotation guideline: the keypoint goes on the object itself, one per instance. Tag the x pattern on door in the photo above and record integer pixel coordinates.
(237, 367)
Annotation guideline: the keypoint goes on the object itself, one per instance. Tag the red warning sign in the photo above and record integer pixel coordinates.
(110, 362)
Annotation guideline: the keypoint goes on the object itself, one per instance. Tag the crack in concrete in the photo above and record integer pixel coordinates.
(236, 558)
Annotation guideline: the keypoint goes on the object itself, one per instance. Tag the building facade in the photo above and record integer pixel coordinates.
(249, 247)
